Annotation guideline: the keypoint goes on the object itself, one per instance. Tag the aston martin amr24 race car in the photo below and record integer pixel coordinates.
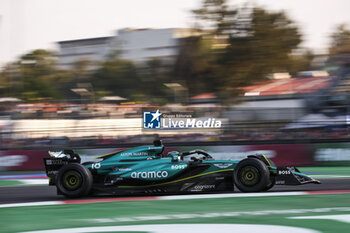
(145, 170)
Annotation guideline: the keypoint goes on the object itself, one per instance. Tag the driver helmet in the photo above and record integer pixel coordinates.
(174, 155)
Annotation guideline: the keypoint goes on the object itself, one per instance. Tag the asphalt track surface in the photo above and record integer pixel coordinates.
(20, 194)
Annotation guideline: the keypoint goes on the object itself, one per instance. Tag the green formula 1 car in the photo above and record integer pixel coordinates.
(145, 170)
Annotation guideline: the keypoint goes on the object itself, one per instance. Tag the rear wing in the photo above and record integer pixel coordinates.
(58, 160)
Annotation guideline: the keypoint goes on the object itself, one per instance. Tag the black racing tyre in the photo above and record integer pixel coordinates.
(251, 175)
(87, 163)
(272, 177)
(272, 183)
(74, 180)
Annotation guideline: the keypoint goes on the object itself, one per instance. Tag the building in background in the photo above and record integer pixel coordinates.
(137, 45)
(94, 50)
(140, 45)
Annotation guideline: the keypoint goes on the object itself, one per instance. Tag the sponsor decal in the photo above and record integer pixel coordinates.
(153, 120)
(178, 167)
(284, 172)
(96, 166)
(150, 174)
(141, 153)
(222, 165)
(56, 162)
(203, 187)
(124, 169)
(52, 172)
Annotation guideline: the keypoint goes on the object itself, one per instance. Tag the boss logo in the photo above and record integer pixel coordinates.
(284, 172)
(177, 167)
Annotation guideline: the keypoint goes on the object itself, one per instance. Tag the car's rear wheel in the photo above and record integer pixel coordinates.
(251, 175)
(74, 180)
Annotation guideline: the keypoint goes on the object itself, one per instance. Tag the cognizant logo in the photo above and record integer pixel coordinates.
(150, 174)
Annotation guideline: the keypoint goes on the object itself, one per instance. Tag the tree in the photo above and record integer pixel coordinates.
(154, 74)
(300, 61)
(340, 40)
(195, 66)
(10, 80)
(117, 76)
(82, 69)
(253, 43)
(38, 70)
(216, 16)
(33, 75)
(262, 48)
(77, 77)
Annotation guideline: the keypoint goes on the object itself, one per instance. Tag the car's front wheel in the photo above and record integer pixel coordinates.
(251, 175)
(74, 180)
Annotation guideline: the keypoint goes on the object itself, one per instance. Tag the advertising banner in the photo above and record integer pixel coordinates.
(280, 154)
(336, 154)
(17, 160)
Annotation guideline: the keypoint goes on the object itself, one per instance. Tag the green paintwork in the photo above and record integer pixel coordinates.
(147, 163)
(142, 163)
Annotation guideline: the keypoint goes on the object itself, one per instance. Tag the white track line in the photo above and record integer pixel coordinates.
(201, 196)
(178, 197)
(34, 181)
(41, 203)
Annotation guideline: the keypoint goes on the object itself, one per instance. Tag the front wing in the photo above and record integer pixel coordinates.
(292, 176)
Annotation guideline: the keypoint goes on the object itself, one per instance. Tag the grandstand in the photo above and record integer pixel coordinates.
(272, 105)
(292, 86)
